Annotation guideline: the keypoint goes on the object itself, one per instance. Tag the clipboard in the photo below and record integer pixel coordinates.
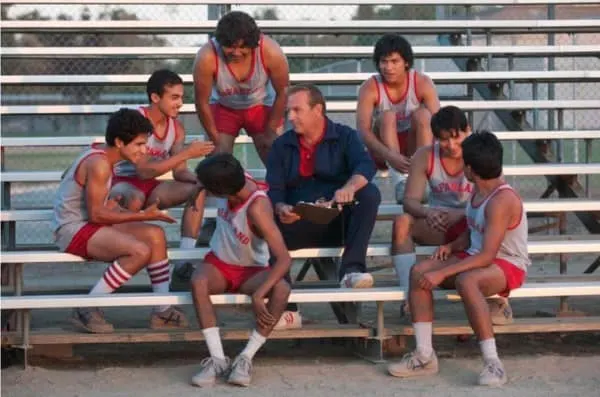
(316, 213)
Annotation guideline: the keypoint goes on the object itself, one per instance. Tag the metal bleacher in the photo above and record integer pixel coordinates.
(15, 255)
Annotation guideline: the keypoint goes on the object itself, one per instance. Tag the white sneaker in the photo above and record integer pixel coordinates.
(357, 280)
(289, 320)
(493, 374)
(210, 369)
(241, 371)
(413, 364)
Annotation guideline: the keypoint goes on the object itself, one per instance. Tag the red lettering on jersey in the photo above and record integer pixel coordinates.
(227, 216)
(445, 187)
(157, 153)
(238, 91)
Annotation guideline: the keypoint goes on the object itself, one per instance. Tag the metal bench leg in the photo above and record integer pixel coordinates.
(372, 348)
(326, 269)
(304, 270)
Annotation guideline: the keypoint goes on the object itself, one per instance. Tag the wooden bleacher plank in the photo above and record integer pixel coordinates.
(143, 335)
(520, 326)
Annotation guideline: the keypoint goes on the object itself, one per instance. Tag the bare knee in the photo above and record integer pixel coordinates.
(199, 284)
(141, 251)
(419, 269)
(264, 141)
(421, 118)
(466, 283)
(156, 236)
(281, 291)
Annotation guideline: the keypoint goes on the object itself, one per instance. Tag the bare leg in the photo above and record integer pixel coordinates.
(207, 280)
(130, 247)
(474, 286)
(173, 193)
(110, 243)
(263, 143)
(278, 298)
(405, 232)
(421, 300)
(420, 130)
(422, 361)
(225, 143)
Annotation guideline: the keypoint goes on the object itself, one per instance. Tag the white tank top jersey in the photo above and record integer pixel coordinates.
(514, 246)
(255, 89)
(158, 149)
(447, 191)
(233, 241)
(70, 204)
(404, 107)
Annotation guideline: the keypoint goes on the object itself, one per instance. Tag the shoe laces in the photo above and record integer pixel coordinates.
(210, 362)
(494, 368)
(413, 361)
(243, 363)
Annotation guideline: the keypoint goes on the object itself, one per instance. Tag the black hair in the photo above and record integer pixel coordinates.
(236, 26)
(483, 152)
(221, 174)
(159, 80)
(126, 124)
(315, 96)
(449, 118)
(389, 44)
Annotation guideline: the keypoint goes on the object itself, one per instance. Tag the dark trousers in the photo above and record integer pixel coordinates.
(351, 229)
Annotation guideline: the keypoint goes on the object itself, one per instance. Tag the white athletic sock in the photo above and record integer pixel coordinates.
(488, 350)
(114, 276)
(423, 334)
(213, 341)
(159, 273)
(185, 243)
(254, 343)
(403, 263)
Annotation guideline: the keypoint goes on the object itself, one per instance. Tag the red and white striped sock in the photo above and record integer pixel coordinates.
(160, 277)
(111, 280)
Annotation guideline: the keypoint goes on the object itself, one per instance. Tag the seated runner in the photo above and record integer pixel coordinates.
(88, 224)
(490, 258)
(238, 261)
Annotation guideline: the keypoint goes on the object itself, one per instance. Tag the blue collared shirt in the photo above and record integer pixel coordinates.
(338, 157)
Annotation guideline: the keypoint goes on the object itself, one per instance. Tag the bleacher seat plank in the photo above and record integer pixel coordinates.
(384, 210)
(143, 335)
(245, 139)
(308, 26)
(343, 52)
(332, 106)
(580, 76)
(520, 326)
(317, 295)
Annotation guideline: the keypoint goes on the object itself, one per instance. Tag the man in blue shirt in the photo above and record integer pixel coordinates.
(321, 159)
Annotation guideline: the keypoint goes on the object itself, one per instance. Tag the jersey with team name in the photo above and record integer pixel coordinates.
(447, 190)
(255, 89)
